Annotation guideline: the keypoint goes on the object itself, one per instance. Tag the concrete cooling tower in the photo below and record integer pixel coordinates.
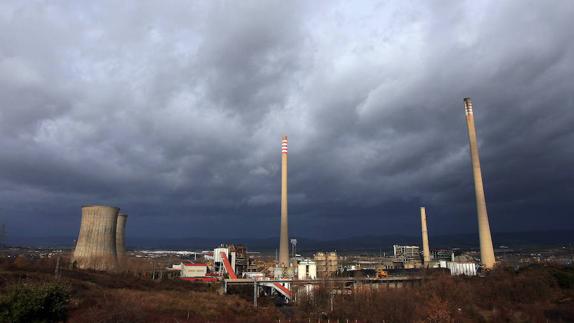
(96, 246)
(120, 236)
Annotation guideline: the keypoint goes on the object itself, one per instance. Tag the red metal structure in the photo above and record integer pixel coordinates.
(284, 290)
(280, 288)
(227, 266)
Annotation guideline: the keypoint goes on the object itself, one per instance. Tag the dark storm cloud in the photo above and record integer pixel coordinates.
(174, 111)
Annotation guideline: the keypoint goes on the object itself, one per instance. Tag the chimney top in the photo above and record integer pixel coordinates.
(467, 106)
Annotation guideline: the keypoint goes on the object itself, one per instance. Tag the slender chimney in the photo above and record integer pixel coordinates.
(284, 239)
(426, 250)
(486, 250)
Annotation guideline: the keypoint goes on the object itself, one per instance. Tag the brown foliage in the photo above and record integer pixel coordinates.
(124, 305)
(504, 295)
(535, 294)
(105, 297)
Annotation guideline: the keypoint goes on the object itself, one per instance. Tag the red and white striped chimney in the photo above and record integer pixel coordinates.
(284, 145)
(284, 238)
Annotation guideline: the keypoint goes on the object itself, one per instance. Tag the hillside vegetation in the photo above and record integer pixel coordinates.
(30, 292)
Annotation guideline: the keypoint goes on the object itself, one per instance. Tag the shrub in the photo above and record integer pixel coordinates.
(564, 277)
(34, 303)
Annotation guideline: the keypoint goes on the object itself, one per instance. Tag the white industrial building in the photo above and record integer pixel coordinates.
(458, 268)
(406, 252)
(307, 269)
(193, 270)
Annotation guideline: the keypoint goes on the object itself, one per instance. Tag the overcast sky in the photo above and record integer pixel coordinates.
(174, 111)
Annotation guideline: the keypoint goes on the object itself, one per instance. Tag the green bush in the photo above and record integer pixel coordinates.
(564, 277)
(34, 303)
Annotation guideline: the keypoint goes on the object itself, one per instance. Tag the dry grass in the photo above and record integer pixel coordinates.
(106, 297)
(536, 294)
(126, 305)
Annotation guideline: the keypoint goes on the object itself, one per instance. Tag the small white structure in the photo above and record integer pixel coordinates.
(307, 269)
(193, 270)
(459, 268)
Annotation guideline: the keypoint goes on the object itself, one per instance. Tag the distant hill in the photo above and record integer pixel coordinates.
(511, 239)
(359, 243)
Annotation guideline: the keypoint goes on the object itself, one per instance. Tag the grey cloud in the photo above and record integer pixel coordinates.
(175, 111)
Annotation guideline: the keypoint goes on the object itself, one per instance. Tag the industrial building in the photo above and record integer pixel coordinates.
(443, 254)
(193, 270)
(307, 269)
(458, 268)
(220, 256)
(243, 263)
(327, 264)
(406, 252)
(237, 257)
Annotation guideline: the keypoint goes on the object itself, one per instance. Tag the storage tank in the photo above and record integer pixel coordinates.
(96, 245)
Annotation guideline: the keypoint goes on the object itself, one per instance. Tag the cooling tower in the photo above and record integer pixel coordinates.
(120, 236)
(426, 250)
(284, 239)
(486, 250)
(96, 246)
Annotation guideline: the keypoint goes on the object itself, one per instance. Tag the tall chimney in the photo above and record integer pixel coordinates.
(284, 239)
(486, 250)
(426, 250)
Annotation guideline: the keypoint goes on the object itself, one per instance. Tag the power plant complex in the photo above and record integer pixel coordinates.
(101, 246)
